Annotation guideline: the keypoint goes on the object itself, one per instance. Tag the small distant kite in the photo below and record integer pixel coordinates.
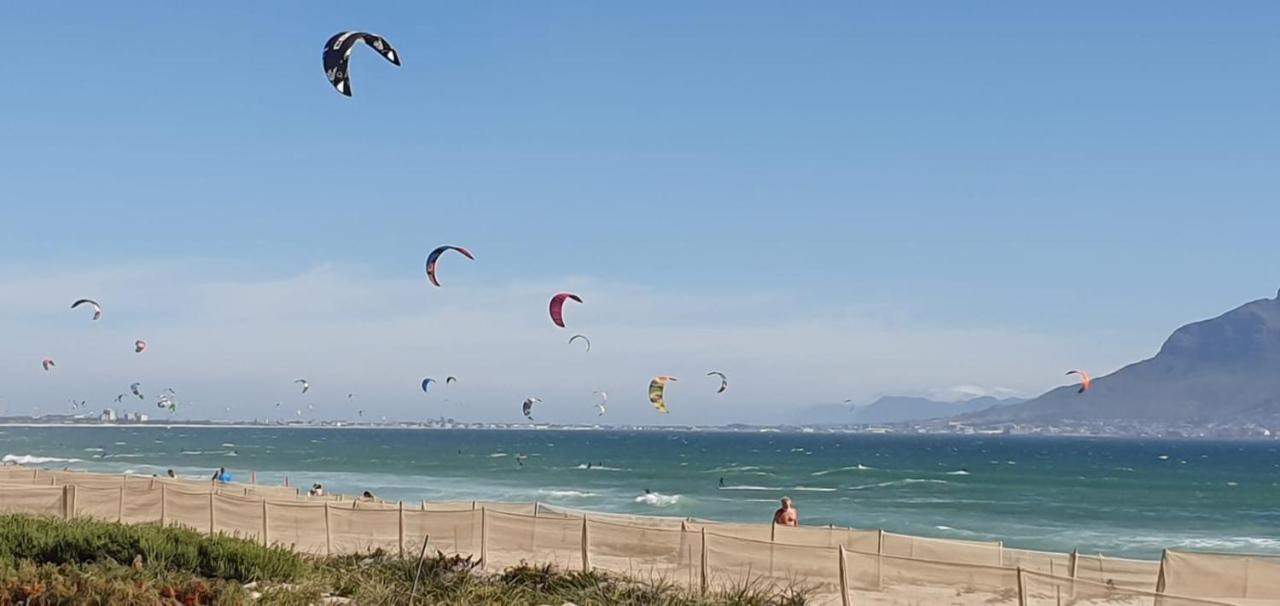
(139, 346)
(97, 309)
(448, 380)
(435, 256)
(337, 56)
(305, 385)
(584, 340)
(724, 381)
(527, 407)
(119, 397)
(136, 389)
(1084, 379)
(47, 363)
(557, 306)
(360, 412)
(657, 388)
(600, 406)
(425, 382)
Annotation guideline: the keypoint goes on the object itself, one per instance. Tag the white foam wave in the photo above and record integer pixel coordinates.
(858, 467)
(599, 468)
(498, 454)
(657, 499)
(897, 483)
(568, 494)
(748, 487)
(812, 489)
(958, 472)
(27, 459)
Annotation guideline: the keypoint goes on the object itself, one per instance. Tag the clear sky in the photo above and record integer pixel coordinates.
(827, 201)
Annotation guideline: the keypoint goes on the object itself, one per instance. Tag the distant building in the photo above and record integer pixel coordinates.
(108, 416)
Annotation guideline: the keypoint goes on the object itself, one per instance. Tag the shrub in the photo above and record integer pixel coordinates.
(43, 540)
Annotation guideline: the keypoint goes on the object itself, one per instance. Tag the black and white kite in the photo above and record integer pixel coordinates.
(337, 56)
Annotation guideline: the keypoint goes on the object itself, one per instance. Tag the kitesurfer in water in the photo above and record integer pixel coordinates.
(722, 482)
(786, 515)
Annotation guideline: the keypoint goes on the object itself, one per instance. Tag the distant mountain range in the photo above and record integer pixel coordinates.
(898, 409)
(1222, 370)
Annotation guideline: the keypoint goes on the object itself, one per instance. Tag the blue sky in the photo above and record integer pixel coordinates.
(830, 201)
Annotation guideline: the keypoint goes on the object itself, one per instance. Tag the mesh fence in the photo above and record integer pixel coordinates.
(828, 564)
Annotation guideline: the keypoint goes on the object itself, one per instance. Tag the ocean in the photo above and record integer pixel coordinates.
(1126, 498)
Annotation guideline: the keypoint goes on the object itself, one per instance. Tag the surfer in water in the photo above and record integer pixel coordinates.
(721, 482)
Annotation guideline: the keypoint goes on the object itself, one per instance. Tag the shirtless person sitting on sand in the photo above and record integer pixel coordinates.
(786, 515)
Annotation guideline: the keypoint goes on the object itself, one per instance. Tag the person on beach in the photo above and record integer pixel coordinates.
(786, 515)
(221, 475)
(316, 490)
(171, 474)
(367, 496)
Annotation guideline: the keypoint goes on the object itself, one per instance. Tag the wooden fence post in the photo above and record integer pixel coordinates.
(880, 560)
(484, 538)
(328, 533)
(120, 514)
(844, 577)
(401, 521)
(702, 584)
(1073, 563)
(1022, 588)
(213, 526)
(163, 495)
(1160, 580)
(266, 539)
(67, 504)
(586, 547)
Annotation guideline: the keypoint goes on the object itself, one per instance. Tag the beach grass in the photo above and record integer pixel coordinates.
(53, 562)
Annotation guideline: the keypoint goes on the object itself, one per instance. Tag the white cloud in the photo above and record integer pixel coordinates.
(223, 341)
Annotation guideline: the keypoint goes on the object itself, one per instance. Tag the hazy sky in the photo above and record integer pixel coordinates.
(825, 201)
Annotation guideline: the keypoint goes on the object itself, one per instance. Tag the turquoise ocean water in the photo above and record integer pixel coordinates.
(1119, 497)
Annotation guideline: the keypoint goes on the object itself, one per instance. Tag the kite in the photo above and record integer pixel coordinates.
(435, 255)
(656, 388)
(360, 412)
(448, 380)
(119, 397)
(527, 407)
(604, 399)
(136, 388)
(337, 56)
(724, 381)
(305, 385)
(47, 363)
(425, 382)
(584, 339)
(139, 346)
(1084, 379)
(97, 309)
(557, 306)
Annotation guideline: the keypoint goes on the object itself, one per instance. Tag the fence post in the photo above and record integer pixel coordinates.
(484, 538)
(586, 546)
(328, 534)
(844, 578)
(66, 502)
(880, 560)
(266, 540)
(120, 515)
(213, 527)
(702, 584)
(401, 521)
(1000, 546)
(1022, 588)
(1072, 563)
(163, 522)
(1160, 580)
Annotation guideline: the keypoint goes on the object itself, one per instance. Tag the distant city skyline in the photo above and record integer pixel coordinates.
(825, 202)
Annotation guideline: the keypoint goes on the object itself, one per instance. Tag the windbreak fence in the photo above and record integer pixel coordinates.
(830, 565)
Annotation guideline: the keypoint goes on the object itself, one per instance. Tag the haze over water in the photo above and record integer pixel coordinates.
(1119, 497)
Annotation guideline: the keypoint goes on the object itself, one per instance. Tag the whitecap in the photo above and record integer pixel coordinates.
(27, 459)
(658, 499)
(958, 472)
(748, 487)
(897, 483)
(568, 494)
(812, 489)
(599, 468)
(497, 454)
(858, 467)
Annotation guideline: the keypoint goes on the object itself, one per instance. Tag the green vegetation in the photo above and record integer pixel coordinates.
(46, 562)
